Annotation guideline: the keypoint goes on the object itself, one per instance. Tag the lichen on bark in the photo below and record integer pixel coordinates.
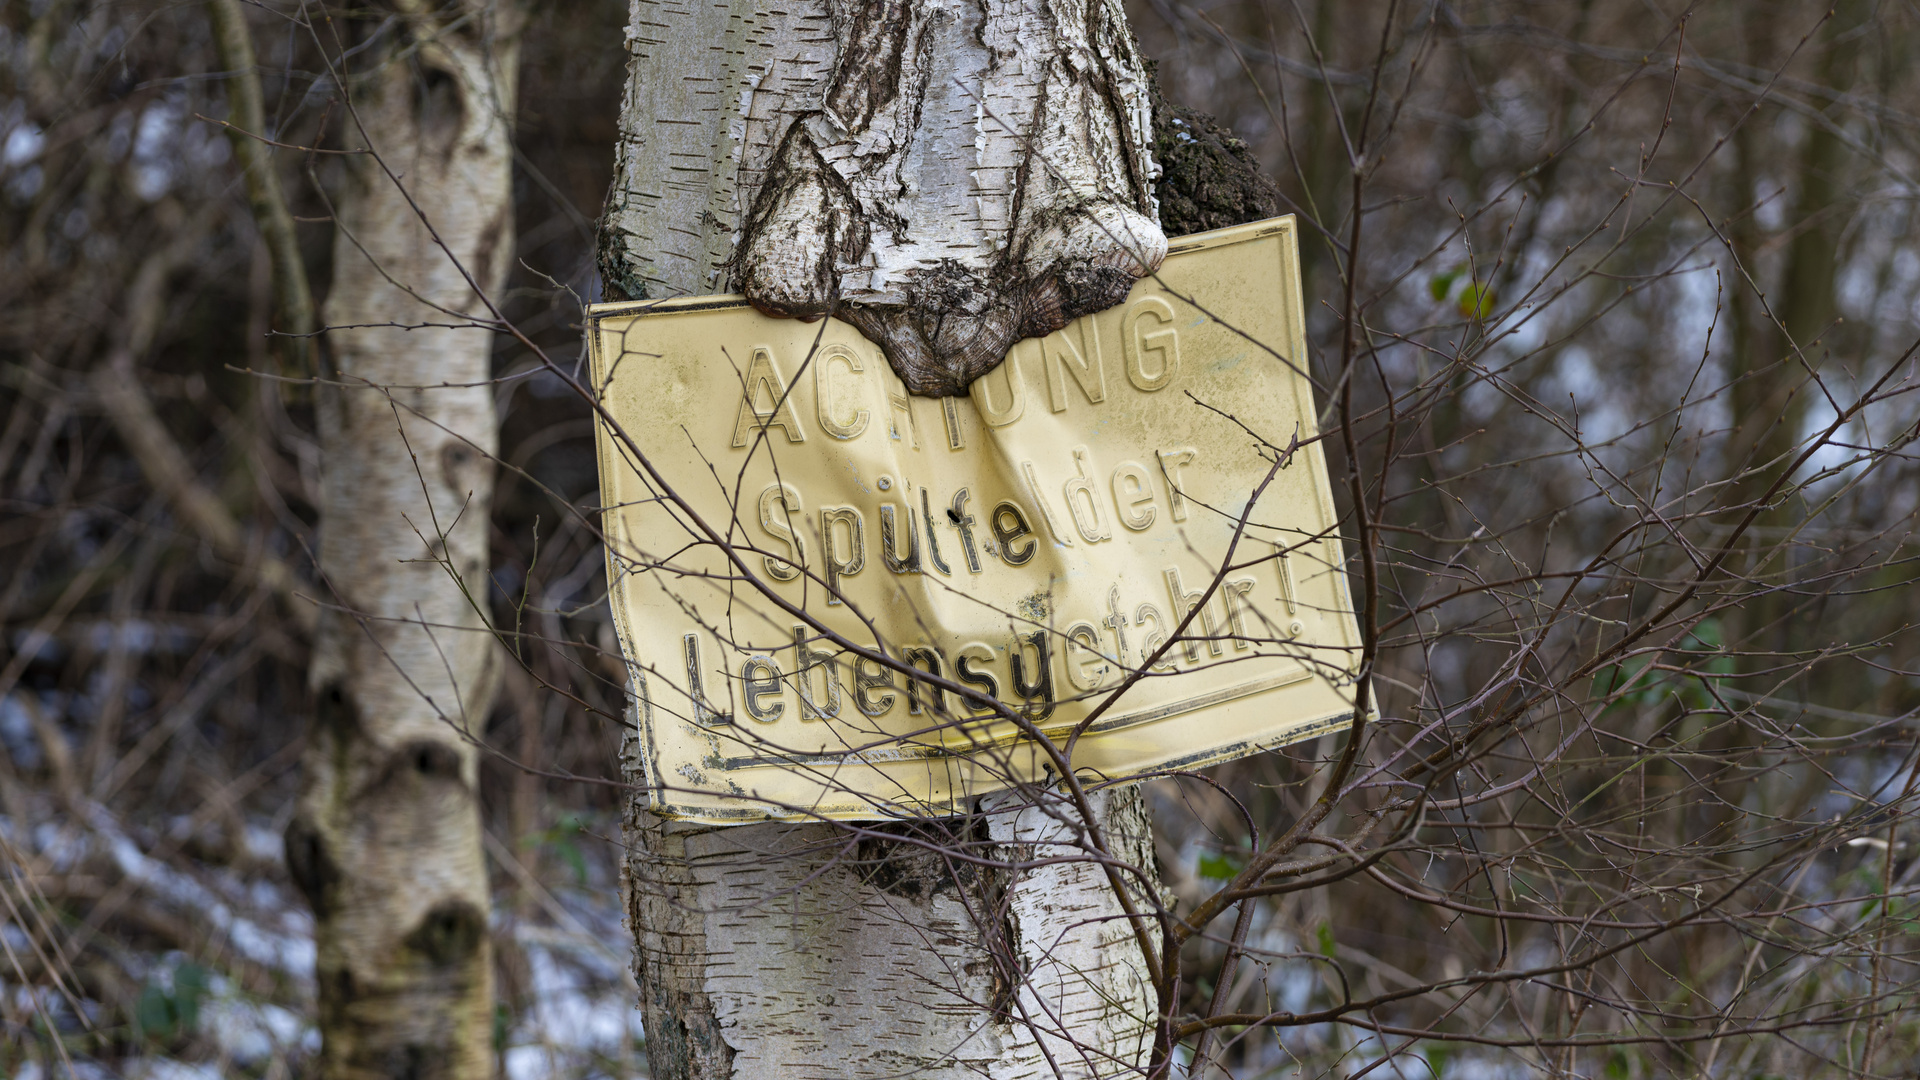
(1208, 178)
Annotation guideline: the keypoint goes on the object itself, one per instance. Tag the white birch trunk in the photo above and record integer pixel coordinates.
(797, 951)
(386, 838)
(950, 177)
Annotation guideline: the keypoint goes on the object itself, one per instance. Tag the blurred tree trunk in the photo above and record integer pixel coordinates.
(386, 839)
(781, 949)
(1775, 351)
(1776, 336)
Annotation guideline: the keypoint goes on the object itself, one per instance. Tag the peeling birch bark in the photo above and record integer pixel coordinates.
(950, 176)
(385, 841)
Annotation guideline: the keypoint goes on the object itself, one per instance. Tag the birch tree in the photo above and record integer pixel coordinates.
(386, 840)
(949, 178)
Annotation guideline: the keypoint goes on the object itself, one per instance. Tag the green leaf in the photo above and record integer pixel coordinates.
(1324, 934)
(189, 987)
(1614, 677)
(165, 1015)
(153, 1014)
(1476, 301)
(569, 853)
(559, 841)
(1219, 867)
(1442, 284)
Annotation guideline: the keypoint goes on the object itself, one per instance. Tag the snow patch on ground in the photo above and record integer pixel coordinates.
(581, 1021)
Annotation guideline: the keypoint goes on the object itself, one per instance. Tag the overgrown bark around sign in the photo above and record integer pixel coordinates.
(1777, 336)
(386, 840)
(784, 949)
(948, 176)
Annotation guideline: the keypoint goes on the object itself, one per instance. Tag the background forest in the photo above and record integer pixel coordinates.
(1614, 307)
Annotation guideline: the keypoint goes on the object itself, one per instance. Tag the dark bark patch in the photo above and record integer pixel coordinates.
(903, 870)
(491, 239)
(439, 106)
(958, 325)
(335, 716)
(430, 760)
(412, 1062)
(457, 466)
(684, 1037)
(413, 763)
(338, 987)
(311, 866)
(416, 1014)
(618, 281)
(866, 77)
(918, 872)
(937, 343)
(450, 933)
(1208, 178)
(804, 226)
(1086, 288)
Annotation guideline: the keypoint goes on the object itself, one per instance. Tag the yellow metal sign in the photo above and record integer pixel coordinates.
(844, 601)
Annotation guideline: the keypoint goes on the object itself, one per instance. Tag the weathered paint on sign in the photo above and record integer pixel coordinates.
(1033, 545)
